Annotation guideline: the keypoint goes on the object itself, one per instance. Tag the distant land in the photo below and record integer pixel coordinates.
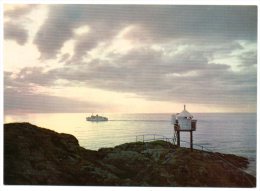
(39, 156)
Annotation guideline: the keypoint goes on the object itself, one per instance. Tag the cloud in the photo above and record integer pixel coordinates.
(15, 32)
(57, 29)
(191, 54)
(13, 27)
(184, 75)
(248, 58)
(21, 95)
(205, 23)
(28, 102)
(146, 74)
(18, 10)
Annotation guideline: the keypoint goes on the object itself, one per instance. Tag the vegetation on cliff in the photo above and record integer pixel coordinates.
(38, 156)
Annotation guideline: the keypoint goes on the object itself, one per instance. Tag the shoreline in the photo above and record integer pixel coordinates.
(39, 156)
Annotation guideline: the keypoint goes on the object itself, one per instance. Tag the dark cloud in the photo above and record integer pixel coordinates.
(64, 58)
(57, 28)
(185, 77)
(180, 69)
(28, 102)
(89, 42)
(154, 79)
(15, 32)
(29, 75)
(13, 29)
(20, 96)
(248, 58)
(164, 22)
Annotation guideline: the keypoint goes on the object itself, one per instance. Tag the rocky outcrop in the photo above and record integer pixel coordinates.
(38, 156)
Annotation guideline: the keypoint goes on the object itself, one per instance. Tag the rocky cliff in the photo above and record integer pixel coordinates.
(38, 156)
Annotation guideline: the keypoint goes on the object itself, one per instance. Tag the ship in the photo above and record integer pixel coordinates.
(96, 118)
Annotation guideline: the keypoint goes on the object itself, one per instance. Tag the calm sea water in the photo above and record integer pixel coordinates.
(226, 133)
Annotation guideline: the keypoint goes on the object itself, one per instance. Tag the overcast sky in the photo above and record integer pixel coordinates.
(129, 58)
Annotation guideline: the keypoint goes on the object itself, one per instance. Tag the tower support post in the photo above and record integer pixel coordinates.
(178, 138)
(191, 141)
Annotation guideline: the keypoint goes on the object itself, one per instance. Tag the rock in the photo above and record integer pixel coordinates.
(38, 156)
(129, 162)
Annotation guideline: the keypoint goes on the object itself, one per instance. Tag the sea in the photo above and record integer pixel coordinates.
(232, 133)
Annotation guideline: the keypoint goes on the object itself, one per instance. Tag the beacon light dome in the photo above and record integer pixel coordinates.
(185, 113)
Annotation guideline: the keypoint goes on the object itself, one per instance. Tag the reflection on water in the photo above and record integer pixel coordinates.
(228, 133)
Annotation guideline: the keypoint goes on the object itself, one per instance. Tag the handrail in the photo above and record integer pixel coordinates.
(197, 145)
(155, 137)
(161, 137)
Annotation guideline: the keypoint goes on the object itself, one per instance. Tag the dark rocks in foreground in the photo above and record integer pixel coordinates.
(38, 156)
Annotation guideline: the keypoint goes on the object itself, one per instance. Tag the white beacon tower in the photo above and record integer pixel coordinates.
(184, 122)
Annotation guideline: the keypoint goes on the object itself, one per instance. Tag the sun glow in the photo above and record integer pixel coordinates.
(25, 56)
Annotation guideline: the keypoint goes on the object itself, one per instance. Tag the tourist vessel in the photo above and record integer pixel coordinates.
(96, 118)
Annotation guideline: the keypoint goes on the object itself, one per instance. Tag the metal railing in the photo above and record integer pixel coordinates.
(153, 137)
(156, 137)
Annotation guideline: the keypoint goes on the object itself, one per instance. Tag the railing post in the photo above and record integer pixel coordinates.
(143, 138)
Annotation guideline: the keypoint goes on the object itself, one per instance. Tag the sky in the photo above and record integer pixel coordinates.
(129, 58)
